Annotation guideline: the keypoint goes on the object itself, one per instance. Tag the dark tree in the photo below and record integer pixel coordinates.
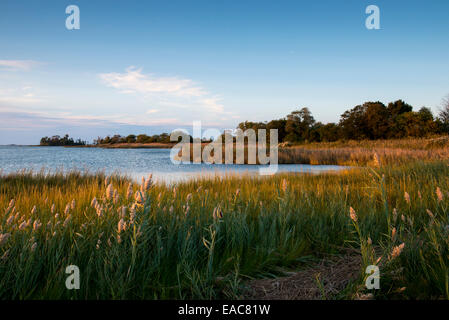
(64, 141)
(299, 125)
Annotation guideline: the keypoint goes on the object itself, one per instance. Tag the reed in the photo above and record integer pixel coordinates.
(352, 153)
(205, 238)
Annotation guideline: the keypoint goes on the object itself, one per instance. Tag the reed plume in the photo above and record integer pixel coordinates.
(352, 214)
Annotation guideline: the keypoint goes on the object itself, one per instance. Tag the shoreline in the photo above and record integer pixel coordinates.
(116, 146)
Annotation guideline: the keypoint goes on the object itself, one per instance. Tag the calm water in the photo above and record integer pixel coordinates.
(133, 162)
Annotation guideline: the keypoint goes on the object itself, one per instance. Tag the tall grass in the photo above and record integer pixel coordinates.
(204, 239)
(349, 153)
(360, 153)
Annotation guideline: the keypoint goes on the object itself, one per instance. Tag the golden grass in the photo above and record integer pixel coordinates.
(203, 238)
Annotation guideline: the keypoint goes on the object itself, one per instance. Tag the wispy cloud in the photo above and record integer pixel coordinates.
(19, 96)
(27, 127)
(13, 119)
(24, 65)
(173, 92)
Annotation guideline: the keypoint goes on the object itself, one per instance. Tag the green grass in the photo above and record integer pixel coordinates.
(170, 252)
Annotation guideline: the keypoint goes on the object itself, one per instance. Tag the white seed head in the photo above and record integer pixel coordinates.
(352, 214)
(217, 213)
(284, 185)
(116, 196)
(407, 197)
(140, 197)
(376, 160)
(67, 220)
(129, 192)
(439, 194)
(3, 238)
(36, 225)
(23, 225)
(397, 251)
(10, 220)
(94, 202)
(110, 192)
(67, 209)
(148, 183)
(121, 226)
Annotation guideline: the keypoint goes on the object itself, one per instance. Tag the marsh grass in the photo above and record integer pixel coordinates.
(204, 238)
(347, 153)
(360, 153)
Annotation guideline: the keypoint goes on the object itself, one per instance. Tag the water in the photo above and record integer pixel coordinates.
(133, 162)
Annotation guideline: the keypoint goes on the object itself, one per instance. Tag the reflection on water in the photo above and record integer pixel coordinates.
(133, 162)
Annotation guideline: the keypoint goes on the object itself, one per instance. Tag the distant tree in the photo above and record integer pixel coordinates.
(371, 120)
(58, 141)
(131, 138)
(98, 141)
(328, 132)
(443, 116)
(368, 121)
(182, 135)
(164, 138)
(376, 120)
(352, 123)
(417, 124)
(116, 139)
(142, 138)
(425, 114)
(398, 107)
(280, 126)
(395, 110)
(299, 125)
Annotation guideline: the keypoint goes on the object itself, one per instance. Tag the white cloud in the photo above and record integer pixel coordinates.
(19, 96)
(24, 65)
(172, 92)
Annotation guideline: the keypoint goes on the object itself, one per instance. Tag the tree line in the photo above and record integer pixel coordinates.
(371, 120)
(61, 141)
(141, 138)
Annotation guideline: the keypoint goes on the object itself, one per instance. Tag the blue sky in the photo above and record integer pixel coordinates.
(152, 66)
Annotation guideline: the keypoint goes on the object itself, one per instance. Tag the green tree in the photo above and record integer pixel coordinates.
(299, 125)
(352, 123)
(131, 138)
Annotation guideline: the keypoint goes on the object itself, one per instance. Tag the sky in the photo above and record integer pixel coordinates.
(154, 66)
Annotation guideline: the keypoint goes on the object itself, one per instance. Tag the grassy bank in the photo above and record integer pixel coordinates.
(350, 153)
(360, 153)
(206, 239)
(347, 153)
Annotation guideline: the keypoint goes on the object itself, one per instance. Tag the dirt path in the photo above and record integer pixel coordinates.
(334, 274)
